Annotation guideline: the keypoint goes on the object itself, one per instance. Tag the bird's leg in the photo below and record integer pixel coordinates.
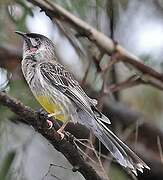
(55, 114)
(43, 113)
(50, 123)
(61, 129)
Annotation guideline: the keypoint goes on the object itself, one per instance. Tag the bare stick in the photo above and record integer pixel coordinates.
(39, 123)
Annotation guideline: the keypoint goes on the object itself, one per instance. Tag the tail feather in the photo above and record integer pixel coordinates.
(120, 151)
(100, 116)
(114, 149)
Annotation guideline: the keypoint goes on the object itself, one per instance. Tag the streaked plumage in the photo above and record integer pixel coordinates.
(57, 90)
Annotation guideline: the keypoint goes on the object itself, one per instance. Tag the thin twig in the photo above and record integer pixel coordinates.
(96, 153)
(130, 82)
(86, 75)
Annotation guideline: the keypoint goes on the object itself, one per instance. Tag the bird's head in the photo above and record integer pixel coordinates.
(38, 45)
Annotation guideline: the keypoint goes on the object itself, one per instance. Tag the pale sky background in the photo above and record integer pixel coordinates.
(140, 29)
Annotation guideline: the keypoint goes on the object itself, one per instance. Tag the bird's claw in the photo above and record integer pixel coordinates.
(61, 134)
(50, 123)
(68, 136)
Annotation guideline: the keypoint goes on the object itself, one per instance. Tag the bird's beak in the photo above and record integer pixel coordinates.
(25, 37)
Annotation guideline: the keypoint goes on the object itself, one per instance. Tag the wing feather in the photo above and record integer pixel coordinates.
(57, 76)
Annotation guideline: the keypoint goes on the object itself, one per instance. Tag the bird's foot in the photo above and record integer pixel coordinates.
(50, 123)
(61, 130)
(61, 134)
(44, 115)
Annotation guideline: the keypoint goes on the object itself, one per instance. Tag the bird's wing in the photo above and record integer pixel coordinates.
(56, 75)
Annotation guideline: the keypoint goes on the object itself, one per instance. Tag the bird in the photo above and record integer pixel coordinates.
(61, 95)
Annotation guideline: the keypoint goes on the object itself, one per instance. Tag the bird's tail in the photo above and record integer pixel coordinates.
(120, 151)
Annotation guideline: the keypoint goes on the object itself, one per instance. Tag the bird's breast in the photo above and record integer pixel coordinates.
(51, 106)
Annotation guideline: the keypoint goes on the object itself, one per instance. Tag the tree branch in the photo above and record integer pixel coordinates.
(130, 82)
(116, 112)
(39, 124)
(103, 42)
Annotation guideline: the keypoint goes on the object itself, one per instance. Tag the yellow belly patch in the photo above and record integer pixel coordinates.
(51, 107)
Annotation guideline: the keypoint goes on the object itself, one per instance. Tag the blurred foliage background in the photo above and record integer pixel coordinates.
(137, 25)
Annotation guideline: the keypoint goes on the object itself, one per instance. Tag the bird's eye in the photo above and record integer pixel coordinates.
(37, 39)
